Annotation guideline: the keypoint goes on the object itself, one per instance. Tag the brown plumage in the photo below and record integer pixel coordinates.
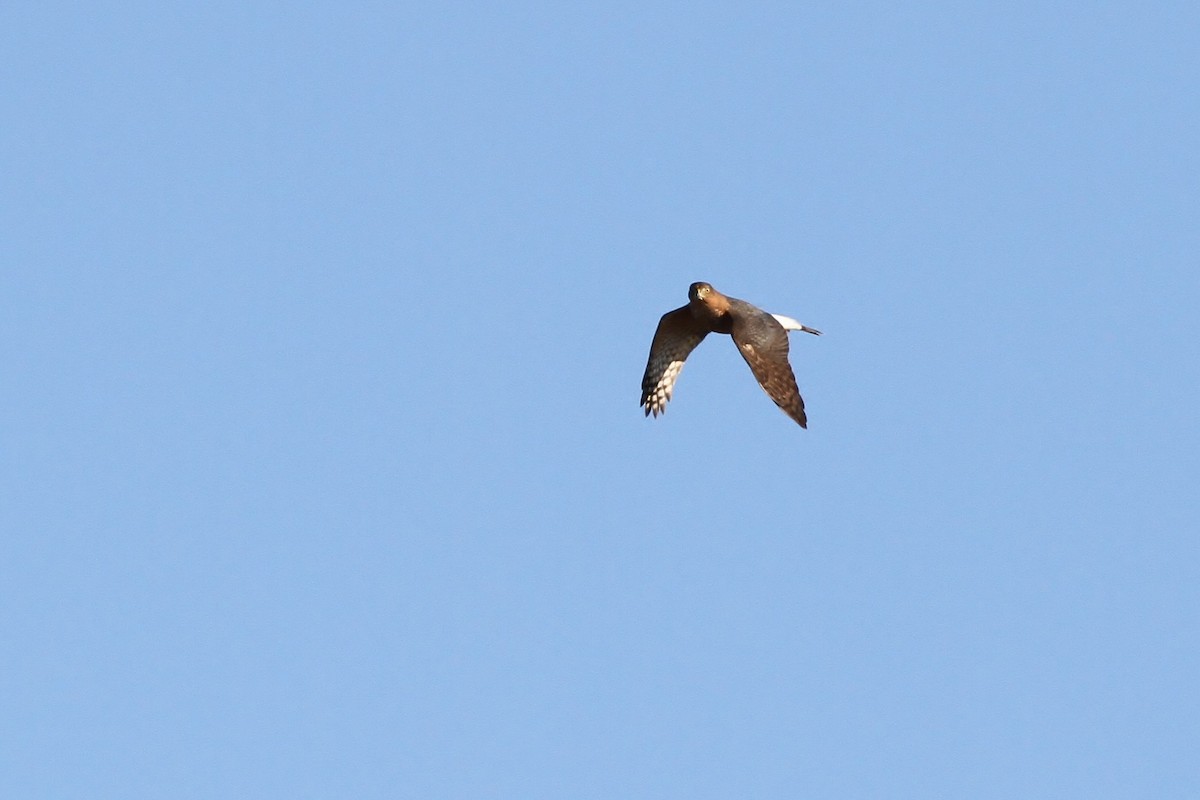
(760, 337)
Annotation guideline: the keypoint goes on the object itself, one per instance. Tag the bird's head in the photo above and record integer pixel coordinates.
(700, 290)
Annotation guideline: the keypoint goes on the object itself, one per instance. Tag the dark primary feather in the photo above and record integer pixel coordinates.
(677, 335)
(763, 342)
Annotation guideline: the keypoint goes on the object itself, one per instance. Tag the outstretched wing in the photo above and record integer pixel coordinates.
(677, 335)
(763, 342)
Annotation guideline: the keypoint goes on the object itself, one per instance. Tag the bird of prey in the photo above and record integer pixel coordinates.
(761, 338)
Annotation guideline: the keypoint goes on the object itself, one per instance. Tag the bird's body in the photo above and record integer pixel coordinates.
(760, 337)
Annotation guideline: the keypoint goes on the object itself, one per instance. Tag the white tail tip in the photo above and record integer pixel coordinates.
(790, 324)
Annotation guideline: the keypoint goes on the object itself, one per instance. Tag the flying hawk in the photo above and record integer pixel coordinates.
(760, 337)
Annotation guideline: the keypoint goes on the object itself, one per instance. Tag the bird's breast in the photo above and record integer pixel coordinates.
(713, 314)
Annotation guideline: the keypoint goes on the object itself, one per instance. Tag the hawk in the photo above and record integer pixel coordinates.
(761, 338)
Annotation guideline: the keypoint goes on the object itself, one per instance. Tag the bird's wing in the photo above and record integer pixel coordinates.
(763, 342)
(677, 335)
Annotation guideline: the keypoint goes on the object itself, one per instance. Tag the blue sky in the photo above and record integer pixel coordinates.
(325, 477)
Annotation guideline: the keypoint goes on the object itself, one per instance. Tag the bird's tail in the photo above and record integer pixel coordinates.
(790, 324)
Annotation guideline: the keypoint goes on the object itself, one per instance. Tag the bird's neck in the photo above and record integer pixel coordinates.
(713, 313)
(712, 307)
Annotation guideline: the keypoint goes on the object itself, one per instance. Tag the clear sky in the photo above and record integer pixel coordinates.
(322, 336)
